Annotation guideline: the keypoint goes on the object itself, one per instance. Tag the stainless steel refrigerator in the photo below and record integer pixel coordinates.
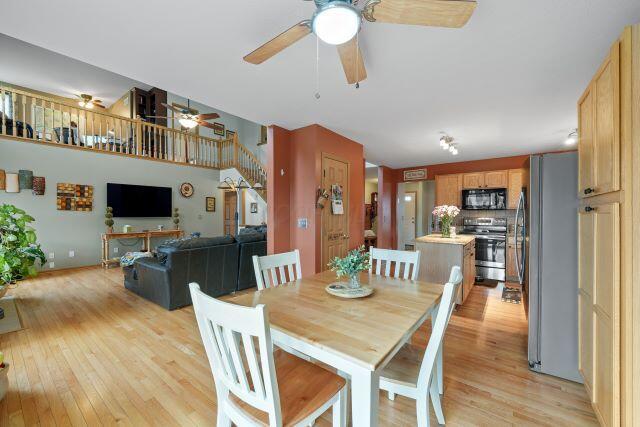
(549, 268)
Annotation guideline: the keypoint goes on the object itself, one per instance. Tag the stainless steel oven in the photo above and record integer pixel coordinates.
(491, 246)
(485, 199)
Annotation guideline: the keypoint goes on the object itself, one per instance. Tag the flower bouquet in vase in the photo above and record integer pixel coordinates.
(446, 214)
(357, 260)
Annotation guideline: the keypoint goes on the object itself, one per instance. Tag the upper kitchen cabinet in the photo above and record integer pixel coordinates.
(491, 179)
(514, 187)
(449, 190)
(599, 129)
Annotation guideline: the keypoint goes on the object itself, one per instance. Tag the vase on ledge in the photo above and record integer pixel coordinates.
(354, 281)
(446, 229)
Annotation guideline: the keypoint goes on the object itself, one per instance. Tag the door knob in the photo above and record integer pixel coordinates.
(588, 190)
(589, 209)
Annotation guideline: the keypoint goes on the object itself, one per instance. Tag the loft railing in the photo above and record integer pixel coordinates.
(35, 118)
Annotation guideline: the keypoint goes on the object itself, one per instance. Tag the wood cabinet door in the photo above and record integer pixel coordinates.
(512, 270)
(469, 271)
(585, 143)
(514, 187)
(448, 190)
(599, 309)
(496, 179)
(471, 181)
(606, 142)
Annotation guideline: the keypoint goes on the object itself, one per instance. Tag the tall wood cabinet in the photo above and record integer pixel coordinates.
(609, 234)
(449, 190)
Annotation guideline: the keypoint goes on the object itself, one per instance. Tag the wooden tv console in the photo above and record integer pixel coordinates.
(146, 242)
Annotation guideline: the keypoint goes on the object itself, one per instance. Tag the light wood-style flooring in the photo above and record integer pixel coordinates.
(93, 353)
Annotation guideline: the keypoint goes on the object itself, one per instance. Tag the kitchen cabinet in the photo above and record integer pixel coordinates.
(514, 187)
(512, 269)
(491, 179)
(438, 255)
(608, 243)
(599, 130)
(449, 190)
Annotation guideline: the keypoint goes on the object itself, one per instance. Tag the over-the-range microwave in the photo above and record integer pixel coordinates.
(485, 199)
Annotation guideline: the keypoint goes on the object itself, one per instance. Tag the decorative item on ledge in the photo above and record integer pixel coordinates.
(176, 218)
(108, 219)
(3, 180)
(25, 178)
(322, 197)
(357, 260)
(446, 214)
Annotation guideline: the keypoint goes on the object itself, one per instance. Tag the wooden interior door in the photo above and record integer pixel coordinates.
(606, 143)
(230, 209)
(335, 228)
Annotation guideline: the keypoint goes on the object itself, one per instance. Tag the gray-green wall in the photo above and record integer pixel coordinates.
(62, 231)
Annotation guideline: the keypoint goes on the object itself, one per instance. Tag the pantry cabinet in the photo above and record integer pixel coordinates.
(449, 190)
(599, 130)
(609, 234)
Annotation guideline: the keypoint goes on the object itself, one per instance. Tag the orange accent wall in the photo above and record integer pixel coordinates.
(296, 190)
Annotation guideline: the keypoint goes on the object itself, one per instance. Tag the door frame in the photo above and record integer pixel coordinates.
(345, 201)
(415, 217)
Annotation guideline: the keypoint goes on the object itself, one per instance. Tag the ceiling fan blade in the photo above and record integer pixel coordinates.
(172, 108)
(352, 62)
(205, 124)
(279, 43)
(207, 116)
(434, 13)
(157, 117)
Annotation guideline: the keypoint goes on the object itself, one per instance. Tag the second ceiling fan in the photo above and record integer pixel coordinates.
(337, 22)
(186, 118)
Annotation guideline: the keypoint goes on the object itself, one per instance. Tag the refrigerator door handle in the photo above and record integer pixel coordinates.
(524, 237)
(515, 234)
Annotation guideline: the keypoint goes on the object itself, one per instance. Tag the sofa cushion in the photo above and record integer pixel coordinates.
(250, 237)
(199, 242)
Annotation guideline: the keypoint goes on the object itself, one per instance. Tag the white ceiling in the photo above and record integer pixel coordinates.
(505, 84)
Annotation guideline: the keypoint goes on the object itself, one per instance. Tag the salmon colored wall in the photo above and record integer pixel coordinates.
(303, 175)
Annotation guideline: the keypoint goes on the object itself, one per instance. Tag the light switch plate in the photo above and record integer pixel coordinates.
(115, 250)
(303, 223)
(52, 265)
(72, 254)
(52, 255)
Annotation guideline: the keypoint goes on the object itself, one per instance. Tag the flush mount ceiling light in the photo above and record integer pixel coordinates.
(572, 138)
(336, 22)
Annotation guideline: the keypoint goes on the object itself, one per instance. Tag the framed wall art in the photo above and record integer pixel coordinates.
(218, 129)
(210, 204)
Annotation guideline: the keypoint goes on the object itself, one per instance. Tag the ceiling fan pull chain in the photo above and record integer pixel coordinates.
(317, 67)
(357, 60)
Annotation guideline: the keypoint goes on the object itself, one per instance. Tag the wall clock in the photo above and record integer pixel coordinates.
(186, 189)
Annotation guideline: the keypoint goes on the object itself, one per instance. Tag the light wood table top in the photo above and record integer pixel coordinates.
(365, 331)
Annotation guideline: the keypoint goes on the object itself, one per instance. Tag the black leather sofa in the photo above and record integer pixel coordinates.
(220, 265)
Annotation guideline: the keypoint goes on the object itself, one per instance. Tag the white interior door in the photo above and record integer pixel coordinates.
(409, 218)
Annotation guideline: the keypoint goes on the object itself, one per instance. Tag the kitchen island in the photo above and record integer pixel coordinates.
(439, 254)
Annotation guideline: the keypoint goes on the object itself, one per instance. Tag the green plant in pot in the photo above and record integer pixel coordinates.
(108, 219)
(176, 218)
(357, 260)
(19, 250)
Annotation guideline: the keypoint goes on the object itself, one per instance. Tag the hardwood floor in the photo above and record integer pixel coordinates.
(93, 353)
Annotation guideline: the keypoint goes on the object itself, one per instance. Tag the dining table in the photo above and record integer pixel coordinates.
(357, 337)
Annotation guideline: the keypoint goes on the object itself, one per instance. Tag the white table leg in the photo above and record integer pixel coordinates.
(364, 398)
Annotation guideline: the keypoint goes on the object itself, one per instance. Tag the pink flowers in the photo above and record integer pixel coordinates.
(446, 212)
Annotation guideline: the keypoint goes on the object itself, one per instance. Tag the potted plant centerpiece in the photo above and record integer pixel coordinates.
(357, 260)
(19, 249)
(446, 214)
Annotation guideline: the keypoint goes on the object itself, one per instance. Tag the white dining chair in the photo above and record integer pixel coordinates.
(271, 269)
(410, 260)
(412, 372)
(254, 386)
(455, 277)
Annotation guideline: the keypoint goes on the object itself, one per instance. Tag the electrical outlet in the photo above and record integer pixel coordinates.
(52, 255)
(72, 254)
(115, 250)
(52, 264)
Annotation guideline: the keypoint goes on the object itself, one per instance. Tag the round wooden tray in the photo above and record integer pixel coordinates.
(342, 290)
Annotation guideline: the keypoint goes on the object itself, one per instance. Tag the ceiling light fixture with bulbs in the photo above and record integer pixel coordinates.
(336, 22)
(572, 138)
(447, 143)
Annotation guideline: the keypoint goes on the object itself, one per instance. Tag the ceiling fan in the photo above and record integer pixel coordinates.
(337, 22)
(187, 119)
(87, 101)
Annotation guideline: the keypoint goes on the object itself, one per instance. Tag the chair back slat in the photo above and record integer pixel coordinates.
(271, 270)
(447, 302)
(405, 264)
(237, 340)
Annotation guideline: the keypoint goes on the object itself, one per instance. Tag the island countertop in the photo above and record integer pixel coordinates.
(460, 239)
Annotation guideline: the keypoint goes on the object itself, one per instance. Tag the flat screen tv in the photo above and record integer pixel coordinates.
(138, 201)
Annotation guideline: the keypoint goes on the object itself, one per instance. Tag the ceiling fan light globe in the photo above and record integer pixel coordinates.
(445, 146)
(88, 105)
(187, 123)
(336, 23)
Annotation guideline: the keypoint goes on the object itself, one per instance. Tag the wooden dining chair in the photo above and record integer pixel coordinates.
(254, 386)
(410, 260)
(412, 372)
(271, 269)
